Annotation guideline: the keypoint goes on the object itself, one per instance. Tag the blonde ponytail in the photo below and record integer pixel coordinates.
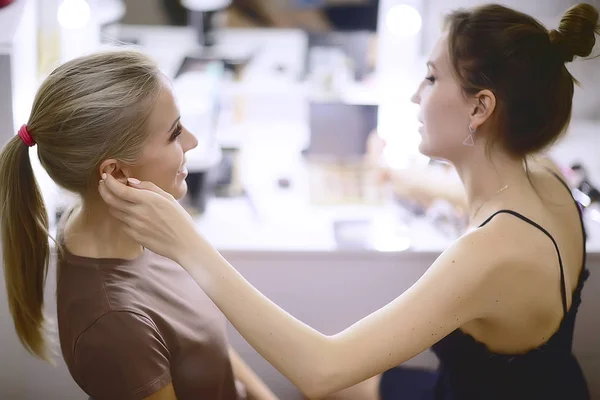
(25, 246)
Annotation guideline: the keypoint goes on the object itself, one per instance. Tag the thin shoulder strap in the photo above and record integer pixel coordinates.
(563, 290)
(584, 273)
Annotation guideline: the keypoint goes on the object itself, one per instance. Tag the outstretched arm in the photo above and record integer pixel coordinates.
(454, 291)
(448, 295)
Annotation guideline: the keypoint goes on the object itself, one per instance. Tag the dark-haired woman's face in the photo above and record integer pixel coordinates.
(444, 110)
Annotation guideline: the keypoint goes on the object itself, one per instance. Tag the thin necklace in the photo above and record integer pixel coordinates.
(485, 202)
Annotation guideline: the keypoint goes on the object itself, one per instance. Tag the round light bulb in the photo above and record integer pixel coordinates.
(403, 20)
(73, 14)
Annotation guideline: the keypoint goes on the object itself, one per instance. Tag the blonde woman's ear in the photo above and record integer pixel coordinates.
(111, 167)
(107, 167)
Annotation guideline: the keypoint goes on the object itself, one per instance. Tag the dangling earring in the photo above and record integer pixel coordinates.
(470, 141)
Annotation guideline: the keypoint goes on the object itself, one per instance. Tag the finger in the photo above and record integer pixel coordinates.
(145, 185)
(131, 217)
(113, 201)
(120, 190)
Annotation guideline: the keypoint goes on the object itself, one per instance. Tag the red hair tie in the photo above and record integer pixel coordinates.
(26, 136)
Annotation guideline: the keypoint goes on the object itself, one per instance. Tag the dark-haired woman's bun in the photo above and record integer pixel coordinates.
(576, 34)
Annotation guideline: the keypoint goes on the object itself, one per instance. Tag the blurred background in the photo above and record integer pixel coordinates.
(307, 176)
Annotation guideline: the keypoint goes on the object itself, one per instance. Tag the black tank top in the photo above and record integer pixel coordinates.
(469, 371)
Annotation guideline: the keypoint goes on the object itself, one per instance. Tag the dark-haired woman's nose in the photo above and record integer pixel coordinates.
(416, 97)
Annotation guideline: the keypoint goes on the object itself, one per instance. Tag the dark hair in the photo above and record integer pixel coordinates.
(513, 55)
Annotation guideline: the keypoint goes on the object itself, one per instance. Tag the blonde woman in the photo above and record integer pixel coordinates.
(132, 324)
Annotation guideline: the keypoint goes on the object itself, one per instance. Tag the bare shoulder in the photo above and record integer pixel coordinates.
(500, 268)
(487, 247)
(504, 249)
(480, 255)
(509, 241)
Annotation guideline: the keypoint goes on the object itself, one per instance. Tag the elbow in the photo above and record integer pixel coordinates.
(322, 373)
(323, 381)
(318, 388)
